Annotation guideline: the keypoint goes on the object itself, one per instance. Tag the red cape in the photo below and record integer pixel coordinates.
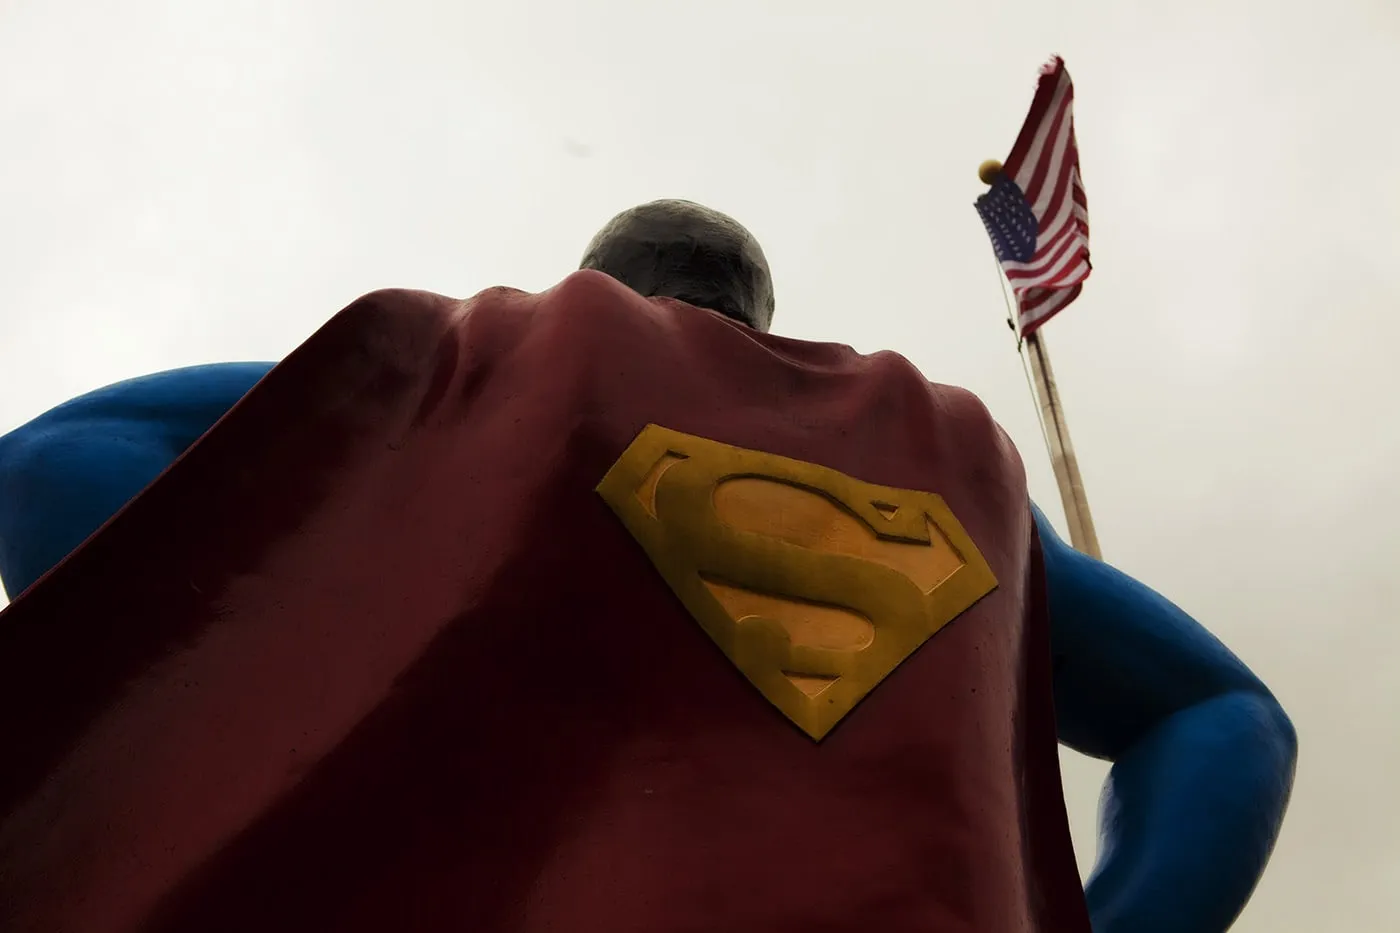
(374, 655)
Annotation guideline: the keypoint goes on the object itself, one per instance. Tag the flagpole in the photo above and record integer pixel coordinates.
(1052, 420)
(1066, 465)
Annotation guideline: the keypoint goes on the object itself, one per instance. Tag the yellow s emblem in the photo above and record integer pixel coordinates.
(814, 584)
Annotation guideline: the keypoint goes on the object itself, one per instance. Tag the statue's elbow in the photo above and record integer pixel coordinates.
(1271, 730)
(1284, 735)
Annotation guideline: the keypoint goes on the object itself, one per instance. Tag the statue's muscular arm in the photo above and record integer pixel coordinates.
(65, 473)
(1203, 754)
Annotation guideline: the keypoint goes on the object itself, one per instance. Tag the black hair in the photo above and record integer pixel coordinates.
(683, 250)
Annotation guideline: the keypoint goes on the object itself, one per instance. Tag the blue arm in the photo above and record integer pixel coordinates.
(1203, 755)
(65, 473)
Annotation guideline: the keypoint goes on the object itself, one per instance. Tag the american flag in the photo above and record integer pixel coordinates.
(1035, 212)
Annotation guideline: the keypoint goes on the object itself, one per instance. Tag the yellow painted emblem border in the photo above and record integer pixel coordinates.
(664, 489)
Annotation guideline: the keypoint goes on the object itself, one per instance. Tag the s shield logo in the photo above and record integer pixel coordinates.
(814, 584)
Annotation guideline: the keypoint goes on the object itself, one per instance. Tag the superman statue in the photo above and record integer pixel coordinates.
(600, 609)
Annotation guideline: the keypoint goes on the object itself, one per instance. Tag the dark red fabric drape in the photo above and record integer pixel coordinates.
(375, 656)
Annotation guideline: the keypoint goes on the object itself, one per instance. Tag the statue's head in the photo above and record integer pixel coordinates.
(682, 250)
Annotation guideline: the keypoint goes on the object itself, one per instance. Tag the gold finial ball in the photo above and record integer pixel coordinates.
(988, 171)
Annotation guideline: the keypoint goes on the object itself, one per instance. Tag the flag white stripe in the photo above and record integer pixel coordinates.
(1027, 169)
(1058, 153)
(1049, 274)
(1054, 300)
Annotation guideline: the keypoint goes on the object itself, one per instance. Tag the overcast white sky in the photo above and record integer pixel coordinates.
(190, 181)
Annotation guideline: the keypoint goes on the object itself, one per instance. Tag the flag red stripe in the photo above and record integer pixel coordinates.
(1049, 152)
(1044, 94)
(1035, 277)
(1043, 259)
(1063, 184)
